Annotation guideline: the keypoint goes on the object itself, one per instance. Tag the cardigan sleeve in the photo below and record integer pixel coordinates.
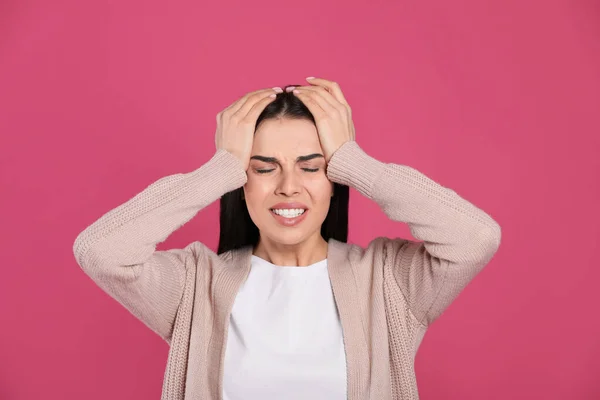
(456, 239)
(118, 251)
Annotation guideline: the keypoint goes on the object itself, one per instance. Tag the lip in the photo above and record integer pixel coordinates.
(290, 205)
(289, 222)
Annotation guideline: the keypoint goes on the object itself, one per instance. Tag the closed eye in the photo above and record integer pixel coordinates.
(310, 169)
(264, 171)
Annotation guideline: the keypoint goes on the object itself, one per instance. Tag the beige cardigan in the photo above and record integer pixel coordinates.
(387, 293)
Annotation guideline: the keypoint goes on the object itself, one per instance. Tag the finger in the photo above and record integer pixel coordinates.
(327, 96)
(259, 107)
(332, 87)
(315, 108)
(237, 106)
(320, 98)
(252, 99)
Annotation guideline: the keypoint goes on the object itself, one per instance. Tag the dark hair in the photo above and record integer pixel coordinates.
(238, 230)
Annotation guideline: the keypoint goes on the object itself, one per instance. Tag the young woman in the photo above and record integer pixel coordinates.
(286, 309)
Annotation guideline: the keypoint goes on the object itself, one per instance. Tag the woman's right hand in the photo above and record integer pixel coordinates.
(236, 123)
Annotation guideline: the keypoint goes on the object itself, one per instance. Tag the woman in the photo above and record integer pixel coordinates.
(286, 309)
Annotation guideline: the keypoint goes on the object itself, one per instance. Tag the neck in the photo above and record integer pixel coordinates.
(308, 252)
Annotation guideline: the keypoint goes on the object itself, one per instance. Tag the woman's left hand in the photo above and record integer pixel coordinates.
(333, 116)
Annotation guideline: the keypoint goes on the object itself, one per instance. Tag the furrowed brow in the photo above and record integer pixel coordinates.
(274, 160)
(271, 160)
(309, 157)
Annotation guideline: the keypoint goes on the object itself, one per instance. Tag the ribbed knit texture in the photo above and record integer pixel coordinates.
(387, 294)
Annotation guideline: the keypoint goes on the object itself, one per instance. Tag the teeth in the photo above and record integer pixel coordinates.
(289, 212)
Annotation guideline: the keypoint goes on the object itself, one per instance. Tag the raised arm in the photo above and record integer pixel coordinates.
(118, 251)
(458, 239)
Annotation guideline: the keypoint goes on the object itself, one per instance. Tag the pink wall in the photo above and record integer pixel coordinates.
(499, 102)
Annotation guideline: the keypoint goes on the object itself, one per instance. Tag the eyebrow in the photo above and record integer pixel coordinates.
(274, 160)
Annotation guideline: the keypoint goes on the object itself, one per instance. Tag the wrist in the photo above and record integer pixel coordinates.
(351, 166)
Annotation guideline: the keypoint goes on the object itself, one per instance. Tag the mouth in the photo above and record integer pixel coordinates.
(289, 214)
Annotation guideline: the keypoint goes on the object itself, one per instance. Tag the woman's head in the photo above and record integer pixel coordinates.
(287, 198)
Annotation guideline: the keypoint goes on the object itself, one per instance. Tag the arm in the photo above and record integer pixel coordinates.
(458, 238)
(118, 250)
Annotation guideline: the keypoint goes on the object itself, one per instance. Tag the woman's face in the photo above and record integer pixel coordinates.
(287, 192)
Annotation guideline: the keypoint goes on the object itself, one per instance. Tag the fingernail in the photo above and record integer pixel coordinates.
(278, 89)
(273, 95)
(296, 91)
(290, 88)
(310, 77)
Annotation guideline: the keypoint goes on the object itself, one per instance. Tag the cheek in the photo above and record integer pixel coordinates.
(256, 192)
(320, 191)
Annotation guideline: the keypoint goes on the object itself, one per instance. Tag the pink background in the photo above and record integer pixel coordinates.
(496, 100)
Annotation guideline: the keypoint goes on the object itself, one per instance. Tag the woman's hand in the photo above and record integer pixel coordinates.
(236, 123)
(332, 113)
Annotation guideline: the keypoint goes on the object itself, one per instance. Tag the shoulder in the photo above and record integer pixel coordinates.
(379, 249)
(203, 257)
(368, 267)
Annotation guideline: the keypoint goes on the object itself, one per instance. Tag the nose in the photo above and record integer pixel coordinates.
(289, 184)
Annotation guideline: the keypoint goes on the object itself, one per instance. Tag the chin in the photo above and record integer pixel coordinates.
(287, 236)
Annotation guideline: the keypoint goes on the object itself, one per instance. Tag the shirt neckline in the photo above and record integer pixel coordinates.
(256, 260)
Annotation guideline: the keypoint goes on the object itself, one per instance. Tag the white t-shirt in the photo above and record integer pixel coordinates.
(285, 337)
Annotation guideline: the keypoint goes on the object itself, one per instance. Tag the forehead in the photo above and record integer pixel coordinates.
(286, 137)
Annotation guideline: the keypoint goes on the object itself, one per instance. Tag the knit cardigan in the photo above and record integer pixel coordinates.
(387, 293)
